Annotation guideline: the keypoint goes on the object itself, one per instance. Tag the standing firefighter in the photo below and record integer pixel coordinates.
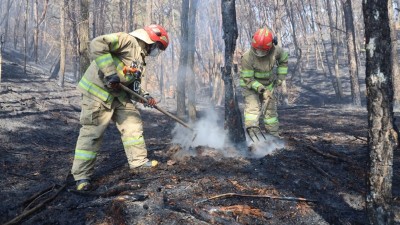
(258, 79)
(117, 58)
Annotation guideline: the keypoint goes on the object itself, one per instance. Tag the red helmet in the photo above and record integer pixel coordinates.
(263, 39)
(157, 33)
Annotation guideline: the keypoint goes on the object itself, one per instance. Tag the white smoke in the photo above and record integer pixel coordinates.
(210, 133)
(207, 133)
(261, 148)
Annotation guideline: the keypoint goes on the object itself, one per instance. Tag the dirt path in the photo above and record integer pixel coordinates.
(324, 162)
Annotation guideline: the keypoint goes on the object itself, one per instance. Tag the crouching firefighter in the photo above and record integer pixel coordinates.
(117, 58)
(258, 80)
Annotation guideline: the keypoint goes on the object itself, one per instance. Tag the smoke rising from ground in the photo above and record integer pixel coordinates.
(209, 133)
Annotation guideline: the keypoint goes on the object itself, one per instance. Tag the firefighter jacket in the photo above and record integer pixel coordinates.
(259, 72)
(109, 54)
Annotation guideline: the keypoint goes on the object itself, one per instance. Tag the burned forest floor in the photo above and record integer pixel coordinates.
(319, 177)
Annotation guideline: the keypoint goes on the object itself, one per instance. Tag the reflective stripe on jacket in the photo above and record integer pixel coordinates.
(258, 71)
(109, 54)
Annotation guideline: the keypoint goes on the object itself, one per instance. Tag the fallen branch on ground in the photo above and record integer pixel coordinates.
(39, 206)
(229, 195)
(198, 213)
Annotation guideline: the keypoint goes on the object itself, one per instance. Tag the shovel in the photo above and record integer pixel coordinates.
(159, 109)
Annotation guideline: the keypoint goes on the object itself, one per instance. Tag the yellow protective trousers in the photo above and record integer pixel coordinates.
(94, 119)
(252, 107)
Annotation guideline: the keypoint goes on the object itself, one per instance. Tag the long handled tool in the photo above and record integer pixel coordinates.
(255, 129)
(156, 107)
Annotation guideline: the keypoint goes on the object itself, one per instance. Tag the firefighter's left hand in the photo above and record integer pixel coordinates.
(279, 83)
(151, 102)
(267, 94)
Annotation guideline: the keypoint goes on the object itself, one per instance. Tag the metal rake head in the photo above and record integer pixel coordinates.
(253, 131)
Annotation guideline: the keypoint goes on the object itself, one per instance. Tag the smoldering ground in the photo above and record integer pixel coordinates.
(210, 138)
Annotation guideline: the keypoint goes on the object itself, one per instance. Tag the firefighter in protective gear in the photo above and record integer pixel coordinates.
(259, 77)
(117, 58)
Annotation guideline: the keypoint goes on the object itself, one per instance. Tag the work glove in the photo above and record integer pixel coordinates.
(267, 94)
(112, 81)
(279, 83)
(151, 102)
(261, 89)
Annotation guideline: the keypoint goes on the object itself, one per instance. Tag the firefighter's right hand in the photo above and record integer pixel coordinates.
(113, 81)
(151, 102)
(261, 89)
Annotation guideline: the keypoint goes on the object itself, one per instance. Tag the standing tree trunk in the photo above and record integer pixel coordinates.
(335, 54)
(298, 52)
(191, 51)
(84, 37)
(38, 21)
(26, 34)
(62, 44)
(130, 18)
(1, 51)
(7, 19)
(351, 52)
(278, 27)
(148, 21)
(381, 136)
(395, 65)
(183, 61)
(233, 120)
(75, 38)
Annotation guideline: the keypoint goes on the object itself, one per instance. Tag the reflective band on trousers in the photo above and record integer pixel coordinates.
(271, 120)
(250, 117)
(84, 154)
(95, 90)
(132, 141)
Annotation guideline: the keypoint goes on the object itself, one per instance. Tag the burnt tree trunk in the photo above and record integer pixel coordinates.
(233, 120)
(381, 135)
(351, 52)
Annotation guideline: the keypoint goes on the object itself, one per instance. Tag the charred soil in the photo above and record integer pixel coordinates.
(318, 178)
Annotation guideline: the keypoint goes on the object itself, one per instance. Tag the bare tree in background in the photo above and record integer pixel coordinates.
(183, 61)
(298, 51)
(351, 52)
(26, 34)
(381, 136)
(84, 36)
(38, 22)
(2, 38)
(335, 54)
(8, 8)
(233, 119)
(191, 50)
(395, 65)
(62, 44)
